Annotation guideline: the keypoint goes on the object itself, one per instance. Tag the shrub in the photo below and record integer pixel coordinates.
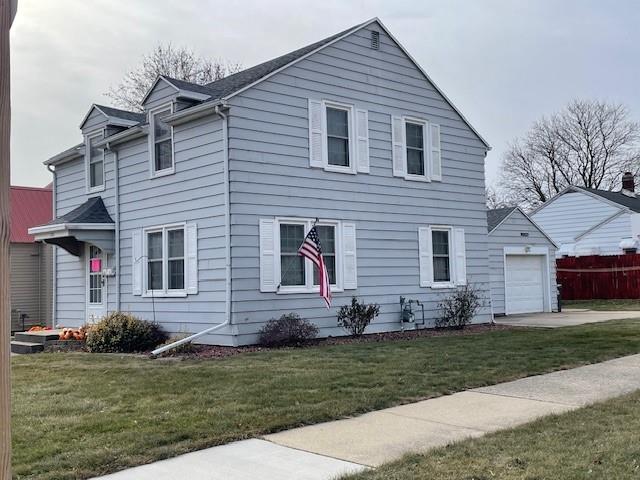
(356, 317)
(288, 330)
(121, 332)
(459, 308)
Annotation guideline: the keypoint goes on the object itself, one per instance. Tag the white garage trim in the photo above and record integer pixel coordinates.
(533, 251)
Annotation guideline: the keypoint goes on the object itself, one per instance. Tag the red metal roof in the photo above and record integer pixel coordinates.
(29, 207)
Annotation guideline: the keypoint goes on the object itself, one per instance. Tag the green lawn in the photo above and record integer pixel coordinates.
(603, 305)
(77, 415)
(598, 442)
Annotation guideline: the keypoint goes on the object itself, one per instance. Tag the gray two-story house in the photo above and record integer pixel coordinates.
(191, 213)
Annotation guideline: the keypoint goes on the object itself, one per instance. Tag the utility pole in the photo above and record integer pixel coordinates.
(7, 13)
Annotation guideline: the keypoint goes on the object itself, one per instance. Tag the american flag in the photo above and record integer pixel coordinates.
(312, 250)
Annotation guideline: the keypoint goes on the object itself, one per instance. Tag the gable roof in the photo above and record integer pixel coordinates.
(115, 116)
(28, 207)
(617, 198)
(496, 216)
(235, 83)
(632, 203)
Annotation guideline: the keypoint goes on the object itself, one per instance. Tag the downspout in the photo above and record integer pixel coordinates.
(227, 235)
(54, 255)
(116, 190)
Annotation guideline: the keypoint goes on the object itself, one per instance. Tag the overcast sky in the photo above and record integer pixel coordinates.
(504, 63)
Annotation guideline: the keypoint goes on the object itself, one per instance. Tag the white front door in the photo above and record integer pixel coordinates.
(524, 283)
(96, 290)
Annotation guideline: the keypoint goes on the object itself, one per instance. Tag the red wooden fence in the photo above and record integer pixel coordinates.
(599, 277)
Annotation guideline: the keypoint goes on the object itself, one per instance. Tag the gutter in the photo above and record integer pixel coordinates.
(124, 136)
(198, 111)
(54, 253)
(227, 234)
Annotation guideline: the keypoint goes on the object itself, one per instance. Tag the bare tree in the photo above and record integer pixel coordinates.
(588, 144)
(495, 199)
(175, 62)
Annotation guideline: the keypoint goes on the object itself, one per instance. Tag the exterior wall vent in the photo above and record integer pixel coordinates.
(375, 40)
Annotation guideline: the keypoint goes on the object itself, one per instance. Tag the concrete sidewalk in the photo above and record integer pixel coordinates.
(324, 451)
(567, 318)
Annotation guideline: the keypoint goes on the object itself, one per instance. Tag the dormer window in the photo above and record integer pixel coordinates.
(94, 160)
(161, 142)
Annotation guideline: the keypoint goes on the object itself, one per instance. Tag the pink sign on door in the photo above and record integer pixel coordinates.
(95, 265)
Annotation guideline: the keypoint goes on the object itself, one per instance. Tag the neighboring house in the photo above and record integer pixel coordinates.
(31, 262)
(191, 213)
(522, 264)
(585, 221)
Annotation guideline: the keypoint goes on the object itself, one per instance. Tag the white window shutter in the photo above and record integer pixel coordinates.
(424, 252)
(398, 147)
(461, 257)
(137, 262)
(349, 258)
(315, 134)
(268, 281)
(436, 156)
(362, 141)
(192, 258)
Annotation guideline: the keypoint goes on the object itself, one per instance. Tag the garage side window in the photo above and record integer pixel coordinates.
(442, 253)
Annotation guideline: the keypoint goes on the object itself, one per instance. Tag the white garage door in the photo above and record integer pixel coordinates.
(524, 284)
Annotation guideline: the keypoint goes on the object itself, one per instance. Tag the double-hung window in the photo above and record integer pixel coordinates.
(295, 271)
(94, 158)
(416, 149)
(165, 259)
(338, 145)
(338, 137)
(283, 270)
(161, 142)
(442, 252)
(414, 133)
(441, 255)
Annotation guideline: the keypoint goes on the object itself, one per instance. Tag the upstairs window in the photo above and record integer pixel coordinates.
(94, 158)
(338, 137)
(415, 148)
(161, 142)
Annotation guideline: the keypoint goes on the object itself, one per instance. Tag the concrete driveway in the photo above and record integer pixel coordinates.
(567, 318)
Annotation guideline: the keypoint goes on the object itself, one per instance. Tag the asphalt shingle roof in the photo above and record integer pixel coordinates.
(91, 211)
(497, 215)
(620, 198)
(124, 114)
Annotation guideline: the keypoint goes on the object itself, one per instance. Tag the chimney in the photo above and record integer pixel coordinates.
(628, 182)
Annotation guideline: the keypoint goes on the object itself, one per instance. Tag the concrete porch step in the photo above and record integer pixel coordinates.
(41, 337)
(26, 347)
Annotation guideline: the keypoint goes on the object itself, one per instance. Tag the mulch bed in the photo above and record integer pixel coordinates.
(214, 351)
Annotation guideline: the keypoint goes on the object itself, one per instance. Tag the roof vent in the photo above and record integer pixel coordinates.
(375, 40)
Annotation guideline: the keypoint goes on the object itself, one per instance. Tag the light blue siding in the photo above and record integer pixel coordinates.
(161, 94)
(508, 234)
(270, 176)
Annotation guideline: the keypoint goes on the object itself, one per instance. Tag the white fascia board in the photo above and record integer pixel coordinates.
(65, 227)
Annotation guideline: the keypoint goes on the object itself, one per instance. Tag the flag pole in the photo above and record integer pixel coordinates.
(7, 14)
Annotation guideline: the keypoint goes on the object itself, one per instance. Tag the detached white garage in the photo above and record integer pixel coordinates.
(521, 263)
